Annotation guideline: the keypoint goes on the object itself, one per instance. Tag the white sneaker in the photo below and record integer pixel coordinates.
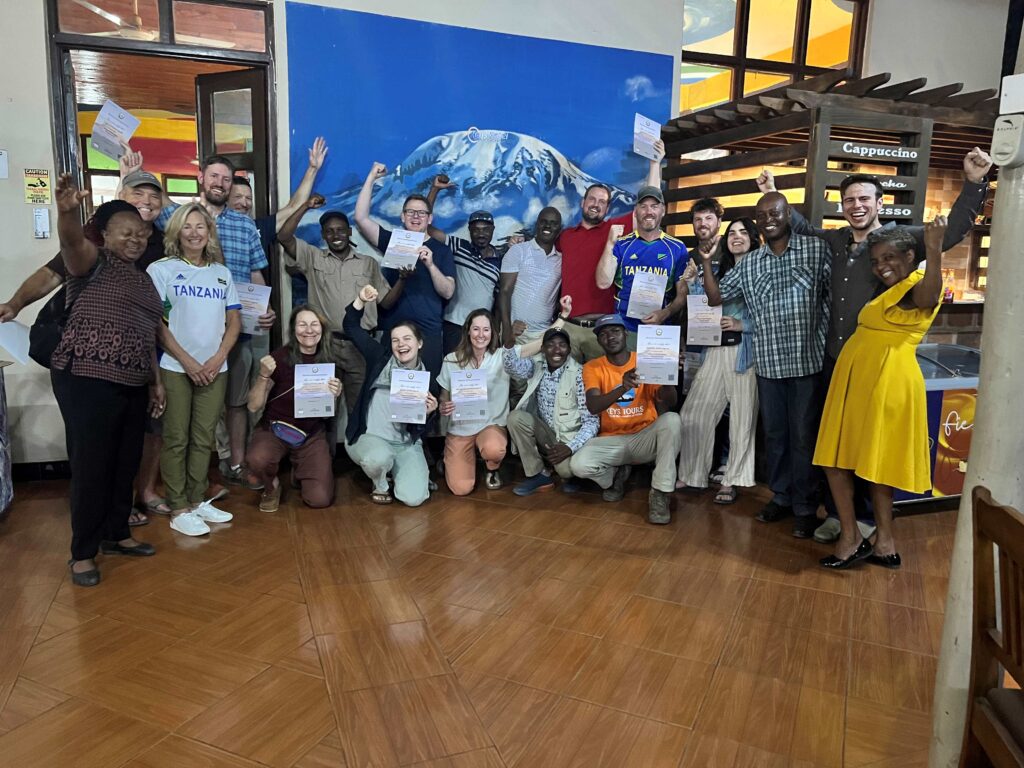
(189, 524)
(210, 514)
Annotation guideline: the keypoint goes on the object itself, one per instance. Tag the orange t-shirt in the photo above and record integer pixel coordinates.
(634, 410)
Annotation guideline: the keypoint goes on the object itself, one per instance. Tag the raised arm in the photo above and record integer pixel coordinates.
(440, 182)
(605, 273)
(317, 154)
(531, 348)
(36, 286)
(968, 203)
(353, 326)
(443, 284)
(367, 226)
(286, 234)
(598, 401)
(928, 291)
(258, 392)
(710, 281)
(654, 172)
(130, 162)
(78, 253)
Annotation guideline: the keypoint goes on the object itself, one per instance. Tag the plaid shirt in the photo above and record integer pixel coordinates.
(547, 391)
(788, 299)
(239, 240)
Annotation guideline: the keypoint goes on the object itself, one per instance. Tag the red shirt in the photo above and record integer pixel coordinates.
(581, 251)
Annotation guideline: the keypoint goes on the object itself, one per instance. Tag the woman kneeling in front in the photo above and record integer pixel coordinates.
(375, 441)
(479, 426)
(875, 424)
(280, 433)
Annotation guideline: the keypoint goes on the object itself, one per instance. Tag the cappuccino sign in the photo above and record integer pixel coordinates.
(883, 152)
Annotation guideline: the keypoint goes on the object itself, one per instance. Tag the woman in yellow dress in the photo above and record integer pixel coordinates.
(875, 424)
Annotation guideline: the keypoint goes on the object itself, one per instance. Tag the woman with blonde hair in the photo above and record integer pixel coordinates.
(201, 324)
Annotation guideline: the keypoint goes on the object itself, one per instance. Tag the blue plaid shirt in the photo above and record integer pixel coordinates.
(239, 240)
(788, 299)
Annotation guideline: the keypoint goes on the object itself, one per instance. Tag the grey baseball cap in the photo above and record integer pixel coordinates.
(139, 178)
(650, 191)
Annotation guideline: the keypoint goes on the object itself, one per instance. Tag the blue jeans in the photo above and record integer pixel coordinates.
(790, 412)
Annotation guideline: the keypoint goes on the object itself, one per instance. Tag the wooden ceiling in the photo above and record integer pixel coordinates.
(139, 82)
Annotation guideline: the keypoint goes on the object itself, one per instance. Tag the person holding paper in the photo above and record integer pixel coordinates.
(581, 247)
(336, 274)
(201, 315)
(638, 424)
(422, 293)
(104, 374)
(474, 395)
(279, 433)
(374, 441)
(725, 379)
(551, 421)
(646, 267)
(531, 274)
(785, 284)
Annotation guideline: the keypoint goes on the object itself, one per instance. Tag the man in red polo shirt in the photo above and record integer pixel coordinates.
(581, 248)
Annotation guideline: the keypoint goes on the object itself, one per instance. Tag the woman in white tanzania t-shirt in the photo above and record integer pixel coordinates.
(202, 321)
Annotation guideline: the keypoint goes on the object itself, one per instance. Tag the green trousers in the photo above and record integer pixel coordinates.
(189, 423)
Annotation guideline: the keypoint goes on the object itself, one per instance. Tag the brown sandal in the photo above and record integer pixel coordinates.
(381, 498)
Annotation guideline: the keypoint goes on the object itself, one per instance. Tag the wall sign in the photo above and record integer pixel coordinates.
(877, 152)
(37, 186)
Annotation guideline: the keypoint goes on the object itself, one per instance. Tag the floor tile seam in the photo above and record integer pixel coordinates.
(800, 586)
(891, 647)
(137, 755)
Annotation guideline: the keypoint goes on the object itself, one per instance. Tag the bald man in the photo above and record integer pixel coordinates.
(785, 284)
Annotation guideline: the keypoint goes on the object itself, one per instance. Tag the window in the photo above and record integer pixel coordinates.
(734, 48)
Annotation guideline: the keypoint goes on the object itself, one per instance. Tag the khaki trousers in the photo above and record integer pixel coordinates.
(189, 423)
(528, 432)
(658, 442)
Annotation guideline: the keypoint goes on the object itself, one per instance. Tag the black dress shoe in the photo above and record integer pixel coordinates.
(772, 512)
(863, 551)
(84, 578)
(142, 549)
(805, 526)
(886, 561)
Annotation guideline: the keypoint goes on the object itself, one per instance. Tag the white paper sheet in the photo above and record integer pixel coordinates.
(409, 396)
(645, 133)
(254, 300)
(703, 322)
(469, 393)
(646, 295)
(114, 126)
(313, 397)
(14, 338)
(657, 354)
(402, 249)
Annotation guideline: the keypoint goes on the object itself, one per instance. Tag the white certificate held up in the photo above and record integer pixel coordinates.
(112, 128)
(254, 300)
(703, 322)
(402, 249)
(15, 339)
(657, 354)
(469, 393)
(409, 396)
(313, 397)
(647, 294)
(645, 133)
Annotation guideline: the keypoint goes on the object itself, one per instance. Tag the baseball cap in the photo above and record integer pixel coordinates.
(605, 320)
(550, 333)
(334, 215)
(138, 178)
(483, 216)
(649, 191)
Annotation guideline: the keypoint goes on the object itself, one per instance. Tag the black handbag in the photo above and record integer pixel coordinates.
(46, 331)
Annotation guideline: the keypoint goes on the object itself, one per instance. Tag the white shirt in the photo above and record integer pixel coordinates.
(535, 297)
(196, 301)
(497, 393)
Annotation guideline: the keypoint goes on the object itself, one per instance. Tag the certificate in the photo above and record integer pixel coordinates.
(254, 300)
(313, 397)
(14, 337)
(703, 322)
(402, 249)
(112, 128)
(645, 133)
(469, 393)
(657, 354)
(646, 295)
(409, 396)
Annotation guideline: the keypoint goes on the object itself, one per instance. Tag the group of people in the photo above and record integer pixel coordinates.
(550, 323)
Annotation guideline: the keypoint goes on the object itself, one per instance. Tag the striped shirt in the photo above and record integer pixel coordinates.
(539, 277)
(665, 255)
(239, 241)
(476, 280)
(788, 299)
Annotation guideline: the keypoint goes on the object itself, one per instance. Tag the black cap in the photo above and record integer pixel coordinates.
(334, 215)
(484, 216)
(550, 333)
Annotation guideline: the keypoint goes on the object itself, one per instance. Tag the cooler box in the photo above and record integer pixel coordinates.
(951, 386)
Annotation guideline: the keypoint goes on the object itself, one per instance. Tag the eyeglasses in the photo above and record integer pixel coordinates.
(414, 213)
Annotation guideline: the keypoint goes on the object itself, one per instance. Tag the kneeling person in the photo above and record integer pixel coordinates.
(638, 424)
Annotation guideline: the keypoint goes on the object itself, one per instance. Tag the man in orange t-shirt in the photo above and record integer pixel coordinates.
(638, 424)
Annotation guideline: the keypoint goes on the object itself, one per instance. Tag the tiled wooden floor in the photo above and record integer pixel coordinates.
(545, 632)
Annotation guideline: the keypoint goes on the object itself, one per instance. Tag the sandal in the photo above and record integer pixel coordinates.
(381, 497)
(137, 518)
(155, 506)
(725, 496)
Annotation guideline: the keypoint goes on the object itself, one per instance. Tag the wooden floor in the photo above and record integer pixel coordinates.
(480, 632)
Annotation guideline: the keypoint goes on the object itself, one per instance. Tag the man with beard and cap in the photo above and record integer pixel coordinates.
(531, 274)
(639, 424)
(646, 249)
(245, 259)
(477, 266)
(854, 283)
(785, 284)
(551, 422)
(581, 247)
(336, 274)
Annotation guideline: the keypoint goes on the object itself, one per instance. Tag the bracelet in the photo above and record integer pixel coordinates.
(264, 377)
(563, 319)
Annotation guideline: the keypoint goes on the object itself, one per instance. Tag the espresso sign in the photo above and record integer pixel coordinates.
(880, 152)
(887, 211)
(890, 184)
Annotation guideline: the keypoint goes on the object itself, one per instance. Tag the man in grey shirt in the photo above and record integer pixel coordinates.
(531, 275)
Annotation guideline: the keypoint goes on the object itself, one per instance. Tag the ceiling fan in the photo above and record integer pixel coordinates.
(134, 29)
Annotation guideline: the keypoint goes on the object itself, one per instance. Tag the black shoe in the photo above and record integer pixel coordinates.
(886, 561)
(84, 578)
(805, 526)
(618, 489)
(862, 552)
(142, 549)
(772, 512)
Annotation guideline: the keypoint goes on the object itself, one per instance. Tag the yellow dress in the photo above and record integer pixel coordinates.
(875, 420)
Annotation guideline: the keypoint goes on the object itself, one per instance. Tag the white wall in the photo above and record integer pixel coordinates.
(26, 132)
(947, 41)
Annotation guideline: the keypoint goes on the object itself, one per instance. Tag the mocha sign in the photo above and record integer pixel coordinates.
(882, 152)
